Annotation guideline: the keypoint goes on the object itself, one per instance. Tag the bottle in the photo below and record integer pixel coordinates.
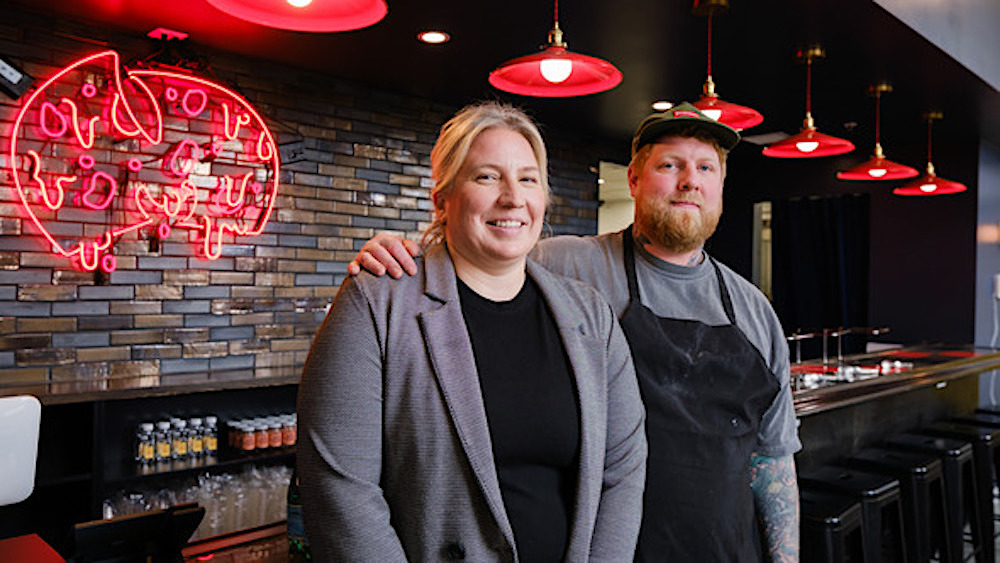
(211, 436)
(145, 452)
(196, 441)
(261, 438)
(179, 439)
(164, 447)
(274, 433)
(298, 544)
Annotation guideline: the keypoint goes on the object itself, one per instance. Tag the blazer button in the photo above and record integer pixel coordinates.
(453, 552)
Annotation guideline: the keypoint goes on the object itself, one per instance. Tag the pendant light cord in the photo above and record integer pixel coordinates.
(809, 78)
(556, 12)
(878, 116)
(930, 123)
(710, 44)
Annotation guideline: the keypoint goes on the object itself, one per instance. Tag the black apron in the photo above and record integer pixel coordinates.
(705, 389)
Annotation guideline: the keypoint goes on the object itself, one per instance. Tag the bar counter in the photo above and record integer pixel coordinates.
(862, 399)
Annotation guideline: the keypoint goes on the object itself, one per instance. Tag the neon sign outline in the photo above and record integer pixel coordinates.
(237, 206)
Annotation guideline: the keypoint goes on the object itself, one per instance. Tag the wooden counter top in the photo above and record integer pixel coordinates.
(923, 366)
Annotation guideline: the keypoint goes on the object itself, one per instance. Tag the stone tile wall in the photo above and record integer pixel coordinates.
(355, 162)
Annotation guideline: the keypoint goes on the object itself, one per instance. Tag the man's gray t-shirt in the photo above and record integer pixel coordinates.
(689, 293)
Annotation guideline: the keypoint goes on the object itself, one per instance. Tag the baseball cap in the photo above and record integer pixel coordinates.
(678, 117)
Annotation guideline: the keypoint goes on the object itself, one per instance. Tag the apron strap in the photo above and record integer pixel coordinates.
(727, 302)
(629, 246)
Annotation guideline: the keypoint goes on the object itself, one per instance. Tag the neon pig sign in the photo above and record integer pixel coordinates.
(100, 152)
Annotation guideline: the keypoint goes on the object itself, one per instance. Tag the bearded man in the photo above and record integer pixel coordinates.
(709, 352)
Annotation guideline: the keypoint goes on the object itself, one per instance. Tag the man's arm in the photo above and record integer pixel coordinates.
(776, 495)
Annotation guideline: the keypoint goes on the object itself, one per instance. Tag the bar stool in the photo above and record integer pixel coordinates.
(881, 507)
(961, 499)
(986, 457)
(922, 492)
(831, 527)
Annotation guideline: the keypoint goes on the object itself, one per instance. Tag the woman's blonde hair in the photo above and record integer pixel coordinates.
(452, 147)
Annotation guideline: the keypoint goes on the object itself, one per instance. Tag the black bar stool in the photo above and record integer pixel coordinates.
(831, 527)
(881, 507)
(922, 488)
(986, 455)
(961, 499)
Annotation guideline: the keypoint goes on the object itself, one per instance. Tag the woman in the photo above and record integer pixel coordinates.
(485, 409)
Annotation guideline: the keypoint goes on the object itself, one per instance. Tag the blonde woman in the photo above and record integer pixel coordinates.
(485, 409)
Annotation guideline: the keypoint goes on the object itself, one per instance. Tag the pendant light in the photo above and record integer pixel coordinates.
(930, 183)
(809, 143)
(555, 71)
(878, 167)
(734, 115)
(317, 16)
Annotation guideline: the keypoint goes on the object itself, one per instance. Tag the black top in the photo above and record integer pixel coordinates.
(533, 415)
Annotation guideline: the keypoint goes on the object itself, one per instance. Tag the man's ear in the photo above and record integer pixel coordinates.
(633, 179)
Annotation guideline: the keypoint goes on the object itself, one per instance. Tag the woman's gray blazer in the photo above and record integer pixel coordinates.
(395, 461)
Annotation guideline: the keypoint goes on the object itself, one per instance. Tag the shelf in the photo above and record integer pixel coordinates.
(227, 459)
(104, 389)
(63, 480)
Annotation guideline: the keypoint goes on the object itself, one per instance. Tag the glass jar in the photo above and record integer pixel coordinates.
(164, 447)
(145, 445)
(260, 433)
(211, 435)
(179, 439)
(196, 444)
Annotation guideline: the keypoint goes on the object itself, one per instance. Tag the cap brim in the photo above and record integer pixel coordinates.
(727, 137)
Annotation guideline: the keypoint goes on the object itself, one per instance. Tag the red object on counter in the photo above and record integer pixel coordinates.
(28, 548)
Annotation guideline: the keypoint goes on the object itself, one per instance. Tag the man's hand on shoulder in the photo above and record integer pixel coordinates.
(386, 253)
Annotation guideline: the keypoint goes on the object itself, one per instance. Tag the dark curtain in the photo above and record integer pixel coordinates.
(820, 267)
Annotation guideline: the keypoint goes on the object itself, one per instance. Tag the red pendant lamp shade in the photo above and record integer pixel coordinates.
(734, 115)
(878, 167)
(555, 71)
(930, 183)
(809, 142)
(317, 16)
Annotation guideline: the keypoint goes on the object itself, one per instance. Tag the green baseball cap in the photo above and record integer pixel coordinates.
(678, 117)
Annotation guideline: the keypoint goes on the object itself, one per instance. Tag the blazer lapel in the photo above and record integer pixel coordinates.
(450, 351)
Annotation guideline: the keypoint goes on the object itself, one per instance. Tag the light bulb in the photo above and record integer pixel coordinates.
(712, 113)
(433, 37)
(299, 3)
(877, 172)
(928, 188)
(807, 146)
(556, 70)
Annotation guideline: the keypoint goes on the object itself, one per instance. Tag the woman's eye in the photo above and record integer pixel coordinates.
(530, 179)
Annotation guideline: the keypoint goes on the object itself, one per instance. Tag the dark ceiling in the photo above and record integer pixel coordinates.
(659, 45)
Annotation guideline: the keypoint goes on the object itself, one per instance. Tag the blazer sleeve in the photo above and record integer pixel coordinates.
(340, 448)
(619, 515)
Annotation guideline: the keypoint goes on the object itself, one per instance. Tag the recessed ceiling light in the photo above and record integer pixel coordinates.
(433, 37)
(662, 105)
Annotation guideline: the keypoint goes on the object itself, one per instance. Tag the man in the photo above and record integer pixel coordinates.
(709, 352)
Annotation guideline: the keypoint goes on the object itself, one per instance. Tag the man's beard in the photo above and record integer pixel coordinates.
(676, 230)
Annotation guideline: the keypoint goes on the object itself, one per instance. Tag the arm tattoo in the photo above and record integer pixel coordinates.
(776, 495)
